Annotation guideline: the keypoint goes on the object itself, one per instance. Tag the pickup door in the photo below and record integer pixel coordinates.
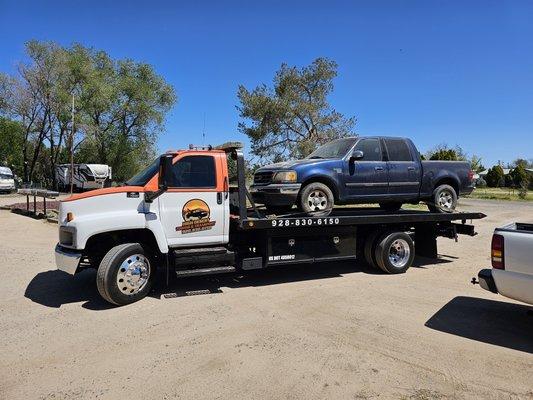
(367, 177)
(404, 169)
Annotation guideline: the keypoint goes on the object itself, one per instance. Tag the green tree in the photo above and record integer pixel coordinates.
(119, 109)
(294, 116)
(519, 176)
(446, 153)
(495, 176)
(11, 139)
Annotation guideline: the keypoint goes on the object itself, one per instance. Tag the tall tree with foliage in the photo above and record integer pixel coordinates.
(291, 118)
(495, 176)
(119, 109)
(447, 153)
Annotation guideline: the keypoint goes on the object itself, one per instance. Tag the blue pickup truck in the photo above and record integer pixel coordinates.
(384, 170)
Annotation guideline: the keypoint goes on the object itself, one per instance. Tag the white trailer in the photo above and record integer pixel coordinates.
(85, 176)
(7, 180)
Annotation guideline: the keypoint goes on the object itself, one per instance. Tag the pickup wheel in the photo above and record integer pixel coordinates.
(125, 274)
(390, 206)
(444, 199)
(316, 196)
(395, 252)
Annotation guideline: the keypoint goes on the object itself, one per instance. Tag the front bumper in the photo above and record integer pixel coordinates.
(67, 260)
(276, 194)
(486, 280)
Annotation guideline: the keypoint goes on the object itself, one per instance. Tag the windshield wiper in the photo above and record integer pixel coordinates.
(313, 157)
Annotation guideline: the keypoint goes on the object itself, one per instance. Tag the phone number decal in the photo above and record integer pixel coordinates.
(286, 223)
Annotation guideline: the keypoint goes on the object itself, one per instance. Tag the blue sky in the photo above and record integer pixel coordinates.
(459, 72)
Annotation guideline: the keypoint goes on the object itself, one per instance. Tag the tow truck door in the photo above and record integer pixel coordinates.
(195, 207)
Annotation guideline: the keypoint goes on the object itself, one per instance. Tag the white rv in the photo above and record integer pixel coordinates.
(7, 180)
(85, 176)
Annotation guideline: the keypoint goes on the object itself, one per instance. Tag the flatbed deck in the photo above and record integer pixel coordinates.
(353, 216)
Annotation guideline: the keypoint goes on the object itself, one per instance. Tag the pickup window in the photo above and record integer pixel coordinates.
(194, 172)
(398, 150)
(370, 148)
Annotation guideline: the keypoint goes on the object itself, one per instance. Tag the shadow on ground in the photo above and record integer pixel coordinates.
(495, 322)
(55, 288)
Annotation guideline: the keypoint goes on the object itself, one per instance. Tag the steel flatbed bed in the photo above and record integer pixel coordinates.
(353, 216)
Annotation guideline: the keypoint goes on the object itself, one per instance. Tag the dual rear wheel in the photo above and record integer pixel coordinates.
(392, 252)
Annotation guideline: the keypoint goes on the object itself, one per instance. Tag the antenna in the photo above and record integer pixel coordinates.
(203, 133)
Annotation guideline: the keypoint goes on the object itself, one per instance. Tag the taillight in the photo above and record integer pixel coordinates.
(470, 175)
(497, 252)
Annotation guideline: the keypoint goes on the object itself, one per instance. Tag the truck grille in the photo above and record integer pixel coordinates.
(263, 178)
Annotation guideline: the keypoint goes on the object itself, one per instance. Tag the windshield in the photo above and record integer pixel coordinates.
(145, 175)
(335, 149)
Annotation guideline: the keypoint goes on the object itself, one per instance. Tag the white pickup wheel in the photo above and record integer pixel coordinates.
(125, 274)
(395, 252)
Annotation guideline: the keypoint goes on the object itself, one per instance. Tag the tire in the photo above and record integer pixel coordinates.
(444, 199)
(393, 246)
(370, 248)
(114, 266)
(390, 206)
(316, 197)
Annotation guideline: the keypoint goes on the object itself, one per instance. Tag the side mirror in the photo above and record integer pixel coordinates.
(165, 171)
(357, 155)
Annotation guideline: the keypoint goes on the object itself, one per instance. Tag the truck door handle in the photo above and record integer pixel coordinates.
(410, 168)
(219, 197)
(378, 168)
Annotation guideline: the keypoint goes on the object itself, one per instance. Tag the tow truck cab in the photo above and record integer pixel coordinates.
(179, 216)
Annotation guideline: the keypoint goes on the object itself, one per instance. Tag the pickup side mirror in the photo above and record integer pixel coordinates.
(165, 171)
(356, 155)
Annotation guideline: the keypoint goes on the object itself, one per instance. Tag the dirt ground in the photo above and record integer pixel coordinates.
(336, 331)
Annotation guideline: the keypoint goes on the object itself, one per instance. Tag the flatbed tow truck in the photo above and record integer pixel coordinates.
(181, 217)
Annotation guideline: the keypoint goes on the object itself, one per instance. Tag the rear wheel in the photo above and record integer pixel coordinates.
(370, 248)
(444, 199)
(125, 274)
(316, 196)
(395, 252)
(390, 206)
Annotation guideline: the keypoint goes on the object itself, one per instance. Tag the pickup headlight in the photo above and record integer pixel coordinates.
(285, 177)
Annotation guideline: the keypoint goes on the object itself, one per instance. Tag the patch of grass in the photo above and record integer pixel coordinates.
(499, 194)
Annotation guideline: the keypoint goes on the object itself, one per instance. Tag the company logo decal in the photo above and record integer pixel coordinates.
(196, 217)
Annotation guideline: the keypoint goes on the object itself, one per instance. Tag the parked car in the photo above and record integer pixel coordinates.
(7, 180)
(512, 267)
(384, 170)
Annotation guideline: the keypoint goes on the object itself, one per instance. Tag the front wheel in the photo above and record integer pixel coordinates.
(315, 197)
(125, 274)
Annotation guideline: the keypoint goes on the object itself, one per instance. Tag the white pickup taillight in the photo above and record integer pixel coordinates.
(497, 251)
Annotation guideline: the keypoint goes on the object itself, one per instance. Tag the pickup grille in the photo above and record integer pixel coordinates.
(263, 178)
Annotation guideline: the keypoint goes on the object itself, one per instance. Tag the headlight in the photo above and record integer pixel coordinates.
(285, 176)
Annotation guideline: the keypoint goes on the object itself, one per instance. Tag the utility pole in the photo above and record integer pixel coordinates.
(72, 148)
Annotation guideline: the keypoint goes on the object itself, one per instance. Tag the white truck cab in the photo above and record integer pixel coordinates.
(512, 266)
(7, 180)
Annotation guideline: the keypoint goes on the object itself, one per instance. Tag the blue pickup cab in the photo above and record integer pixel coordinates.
(351, 170)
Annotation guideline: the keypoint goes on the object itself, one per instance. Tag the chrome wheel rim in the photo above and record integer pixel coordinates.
(399, 253)
(133, 274)
(445, 200)
(317, 200)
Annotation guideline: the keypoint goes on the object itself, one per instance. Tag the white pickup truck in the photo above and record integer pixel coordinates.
(512, 265)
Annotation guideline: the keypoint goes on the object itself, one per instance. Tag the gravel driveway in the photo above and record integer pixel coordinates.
(336, 331)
